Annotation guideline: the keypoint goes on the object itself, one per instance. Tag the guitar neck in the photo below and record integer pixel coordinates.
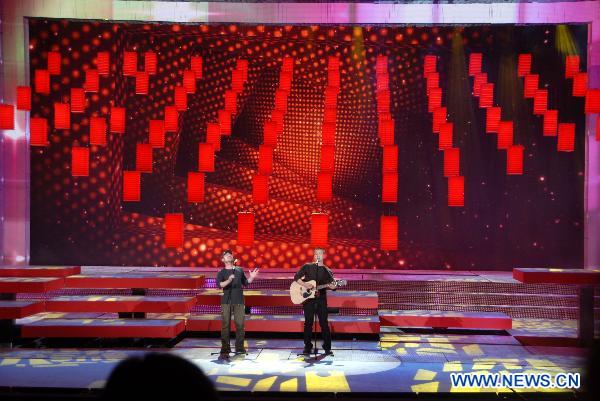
(320, 287)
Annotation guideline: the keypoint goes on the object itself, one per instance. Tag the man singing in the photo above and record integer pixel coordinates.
(322, 275)
(231, 279)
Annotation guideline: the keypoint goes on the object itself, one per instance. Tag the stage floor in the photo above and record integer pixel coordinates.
(402, 362)
(399, 363)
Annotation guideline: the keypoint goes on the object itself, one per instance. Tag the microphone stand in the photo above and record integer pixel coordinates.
(315, 326)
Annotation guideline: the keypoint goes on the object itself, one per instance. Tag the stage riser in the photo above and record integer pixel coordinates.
(385, 297)
(515, 311)
(292, 325)
(338, 299)
(516, 305)
(467, 320)
(106, 328)
(15, 285)
(48, 271)
(144, 281)
(557, 276)
(421, 287)
(480, 299)
(547, 301)
(121, 304)
(19, 309)
(281, 310)
(484, 287)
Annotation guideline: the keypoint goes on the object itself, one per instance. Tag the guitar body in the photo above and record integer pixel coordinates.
(300, 294)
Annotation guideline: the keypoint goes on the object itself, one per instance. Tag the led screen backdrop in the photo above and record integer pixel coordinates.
(394, 147)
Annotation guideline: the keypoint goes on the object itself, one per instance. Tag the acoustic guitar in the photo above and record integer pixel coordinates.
(300, 294)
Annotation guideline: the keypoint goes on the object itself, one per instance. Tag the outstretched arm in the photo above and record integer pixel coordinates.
(253, 274)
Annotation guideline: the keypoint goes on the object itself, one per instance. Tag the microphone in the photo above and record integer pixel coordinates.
(234, 266)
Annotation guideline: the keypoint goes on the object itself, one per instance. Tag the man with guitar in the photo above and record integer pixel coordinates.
(231, 279)
(321, 274)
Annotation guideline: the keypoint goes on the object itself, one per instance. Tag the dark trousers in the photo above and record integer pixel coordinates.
(312, 307)
(238, 311)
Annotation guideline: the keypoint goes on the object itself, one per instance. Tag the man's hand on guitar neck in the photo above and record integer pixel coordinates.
(332, 285)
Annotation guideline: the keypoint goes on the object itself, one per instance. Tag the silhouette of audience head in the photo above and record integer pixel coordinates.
(592, 386)
(156, 376)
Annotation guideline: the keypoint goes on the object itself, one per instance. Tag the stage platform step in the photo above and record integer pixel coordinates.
(13, 285)
(107, 328)
(444, 319)
(557, 276)
(39, 271)
(335, 299)
(20, 309)
(287, 323)
(137, 280)
(120, 303)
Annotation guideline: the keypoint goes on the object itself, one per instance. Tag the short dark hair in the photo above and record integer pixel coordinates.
(157, 374)
(227, 251)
